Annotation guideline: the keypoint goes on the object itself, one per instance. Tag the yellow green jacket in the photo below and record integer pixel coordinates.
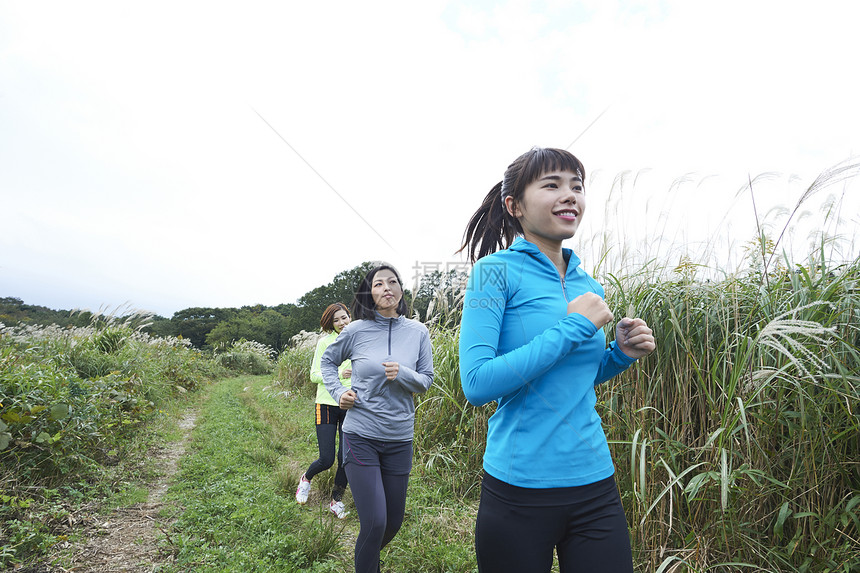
(323, 397)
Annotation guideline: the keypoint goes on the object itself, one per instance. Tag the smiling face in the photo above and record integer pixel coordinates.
(551, 207)
(340, 320)
(386, 292)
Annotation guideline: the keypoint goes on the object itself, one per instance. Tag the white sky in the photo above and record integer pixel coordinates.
(135, 169)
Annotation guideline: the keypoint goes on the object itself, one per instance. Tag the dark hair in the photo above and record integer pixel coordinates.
(363, 306)
(491, 227)
(327, 320)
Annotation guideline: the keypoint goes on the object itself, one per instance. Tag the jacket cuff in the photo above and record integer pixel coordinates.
(619, 356)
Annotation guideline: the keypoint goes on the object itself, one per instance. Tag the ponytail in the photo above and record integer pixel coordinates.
(491, 227)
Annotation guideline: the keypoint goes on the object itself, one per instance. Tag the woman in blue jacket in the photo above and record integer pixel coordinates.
(392, 360)
(328, 415)
(532, 339)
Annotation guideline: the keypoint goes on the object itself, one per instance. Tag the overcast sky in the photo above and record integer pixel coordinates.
(164, 155)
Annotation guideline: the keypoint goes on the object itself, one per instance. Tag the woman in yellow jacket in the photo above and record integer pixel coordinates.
(329, 416)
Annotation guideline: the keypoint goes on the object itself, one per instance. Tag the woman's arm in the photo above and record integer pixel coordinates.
(316, 372)
(419, 380)
(486, 375)
(614, 362)
(633, 340)
(334, 355)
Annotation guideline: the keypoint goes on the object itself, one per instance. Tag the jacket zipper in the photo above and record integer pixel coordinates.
(390, 326)
(563, 284)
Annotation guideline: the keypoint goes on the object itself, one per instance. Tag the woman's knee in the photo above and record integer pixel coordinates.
(391, 531)
(374, 529)
(326, 461)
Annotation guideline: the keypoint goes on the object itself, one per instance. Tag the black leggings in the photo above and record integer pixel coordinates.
(378, 475)
(518, 528)
(327, 433)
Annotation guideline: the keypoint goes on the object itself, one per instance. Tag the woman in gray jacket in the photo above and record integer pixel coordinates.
(391, 359)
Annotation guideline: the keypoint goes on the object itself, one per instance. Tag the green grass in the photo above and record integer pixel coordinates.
(237, 513)
(236, 489)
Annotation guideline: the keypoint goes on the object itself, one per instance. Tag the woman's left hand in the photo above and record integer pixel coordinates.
(634, 338)
(391, 370)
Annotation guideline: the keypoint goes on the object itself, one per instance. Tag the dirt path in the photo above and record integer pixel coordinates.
(126, 540)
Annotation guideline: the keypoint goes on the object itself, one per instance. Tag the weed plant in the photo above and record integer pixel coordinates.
(246, 357)
(737, 441)
(450, 433)
(293, 369)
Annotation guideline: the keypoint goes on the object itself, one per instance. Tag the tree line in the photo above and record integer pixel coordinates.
(208, 328)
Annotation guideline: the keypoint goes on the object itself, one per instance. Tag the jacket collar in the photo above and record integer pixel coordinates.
(385, 320)
(521, 245)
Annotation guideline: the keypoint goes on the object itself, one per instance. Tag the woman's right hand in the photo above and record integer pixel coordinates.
(347, 399)
(347, 373)
(593, 307)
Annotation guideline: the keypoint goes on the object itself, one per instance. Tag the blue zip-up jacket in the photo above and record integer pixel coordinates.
(384, 409)
(519, 347)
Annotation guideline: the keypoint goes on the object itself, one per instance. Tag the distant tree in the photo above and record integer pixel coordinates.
(341, 289)
(291, 324)
(161, 326)
(206, 327)
(242, 324)
(13, 310)
(258, 323)
(10, 302)
(195, 323)
(276, 325)
(10, 310)
(285, 309)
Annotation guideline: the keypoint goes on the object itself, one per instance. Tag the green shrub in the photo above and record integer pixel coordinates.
(70, 399)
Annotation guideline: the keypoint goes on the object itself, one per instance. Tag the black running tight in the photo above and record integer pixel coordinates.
(326, 437)
(380, 500)
(518, 528)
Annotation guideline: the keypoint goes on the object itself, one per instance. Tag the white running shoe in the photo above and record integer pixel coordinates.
(337, 508)
(303, 490)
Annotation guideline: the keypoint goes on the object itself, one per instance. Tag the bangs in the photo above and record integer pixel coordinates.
(544, 160)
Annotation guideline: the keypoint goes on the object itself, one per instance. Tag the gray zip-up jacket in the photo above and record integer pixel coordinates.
(384, 409)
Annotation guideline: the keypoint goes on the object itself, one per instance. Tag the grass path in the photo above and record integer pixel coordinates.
(235, 496)
(126, 538)
(234, 489)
